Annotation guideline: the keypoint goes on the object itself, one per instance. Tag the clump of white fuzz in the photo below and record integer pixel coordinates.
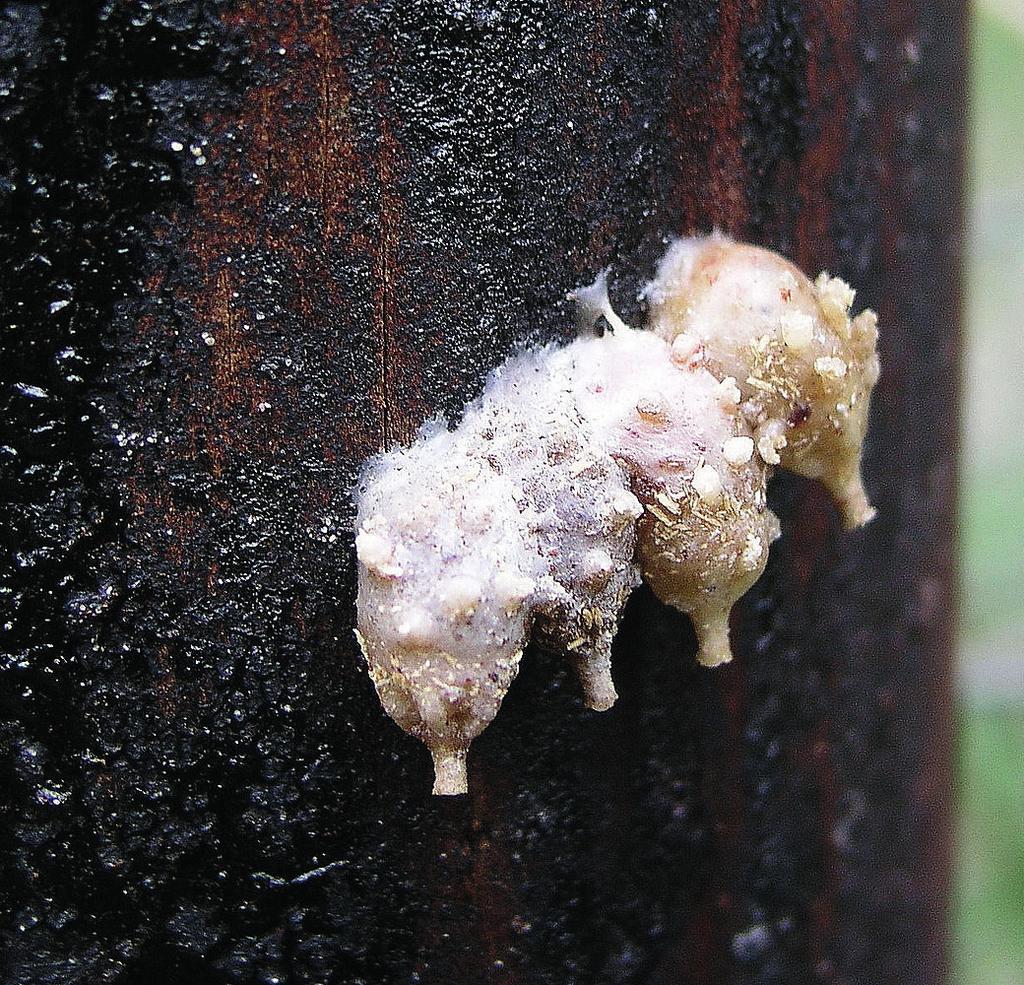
(585, 467)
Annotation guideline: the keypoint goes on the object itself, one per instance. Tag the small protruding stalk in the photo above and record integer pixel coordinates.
(449, 771)
(712, 639)
(851, 497)
(595, 673)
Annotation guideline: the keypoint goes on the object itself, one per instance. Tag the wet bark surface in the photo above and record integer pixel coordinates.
(246, 245)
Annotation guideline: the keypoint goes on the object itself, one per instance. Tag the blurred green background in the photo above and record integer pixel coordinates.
(989, 914)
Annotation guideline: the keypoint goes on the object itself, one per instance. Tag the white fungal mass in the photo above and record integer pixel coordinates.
(584, 468)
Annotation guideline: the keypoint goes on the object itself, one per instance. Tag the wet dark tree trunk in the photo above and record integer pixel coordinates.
(247, 243)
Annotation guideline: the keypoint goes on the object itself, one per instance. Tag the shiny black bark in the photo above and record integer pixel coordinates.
(245, 245)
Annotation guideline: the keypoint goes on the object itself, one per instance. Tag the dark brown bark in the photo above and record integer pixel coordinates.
(246, 245)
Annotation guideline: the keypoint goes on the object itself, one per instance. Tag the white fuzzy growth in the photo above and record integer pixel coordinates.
(524, 519)
(835, 292)
(625, 507)
(727, 393)
(707, 483)
(581, 468)
(512, 589)
(685, 349)
(771, 439)
(738, 450)
(460, 596)
(830, 366)
(598, 567)
(797, 330)
(375, 550)
(753, 550)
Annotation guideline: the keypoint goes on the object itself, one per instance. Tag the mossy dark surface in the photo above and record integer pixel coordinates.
(247, 243)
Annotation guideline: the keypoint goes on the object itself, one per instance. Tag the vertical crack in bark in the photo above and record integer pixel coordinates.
(384, 306)
(726, 169)
(831, 71)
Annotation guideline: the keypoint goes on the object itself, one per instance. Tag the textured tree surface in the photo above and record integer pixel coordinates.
(244, 246)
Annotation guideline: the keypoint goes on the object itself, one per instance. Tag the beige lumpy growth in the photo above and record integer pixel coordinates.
(584, 468)
(803, 366)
